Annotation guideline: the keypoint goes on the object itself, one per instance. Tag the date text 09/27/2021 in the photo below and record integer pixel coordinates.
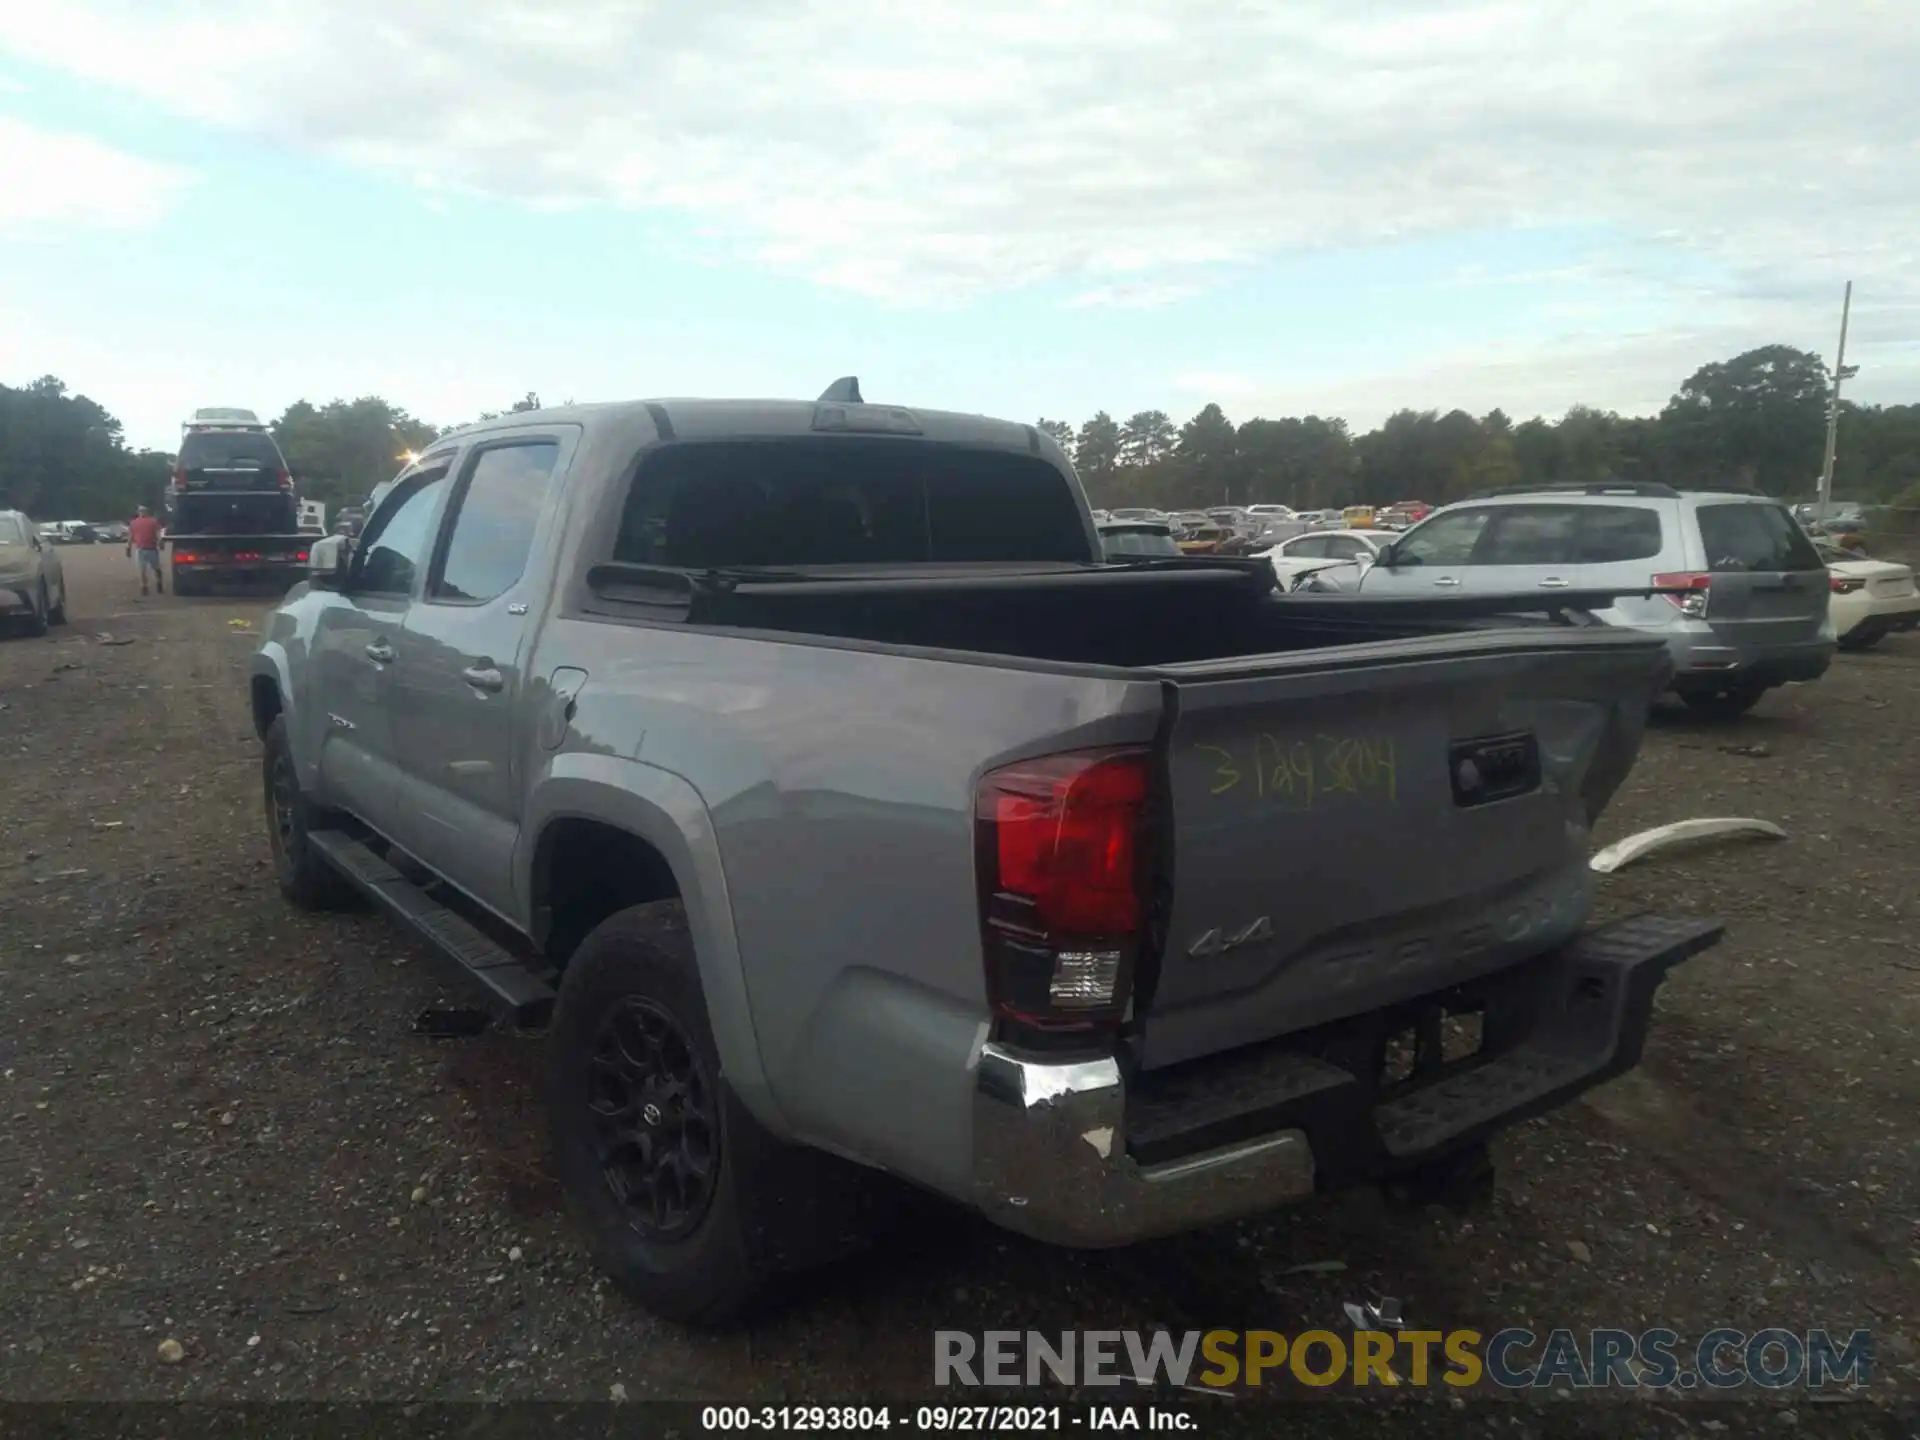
(943, 1419)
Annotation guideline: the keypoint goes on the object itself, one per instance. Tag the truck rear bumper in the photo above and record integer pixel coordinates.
(1077, 1153)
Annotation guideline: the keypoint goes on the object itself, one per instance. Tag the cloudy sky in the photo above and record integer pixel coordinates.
(1027, 207)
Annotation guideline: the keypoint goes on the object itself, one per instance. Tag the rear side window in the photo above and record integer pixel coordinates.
(1568, 535)
(493, 530)
(230, 450)
(10, 531)
(1610, 534)
(1313, 547)
(1750, 537)
(834, 501)
(1530, 535)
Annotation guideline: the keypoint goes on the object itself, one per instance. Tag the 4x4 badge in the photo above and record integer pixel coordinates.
(1218, 942)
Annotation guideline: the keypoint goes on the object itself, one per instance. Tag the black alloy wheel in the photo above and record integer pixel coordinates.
(655, 1120)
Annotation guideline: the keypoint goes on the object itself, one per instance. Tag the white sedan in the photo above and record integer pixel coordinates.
(1871, 598)
(1338, 557)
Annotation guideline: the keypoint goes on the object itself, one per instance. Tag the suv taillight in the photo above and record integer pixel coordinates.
(1062, 855)
(286, 480)
(1688, 592)
(179, 481)
(1845, 584)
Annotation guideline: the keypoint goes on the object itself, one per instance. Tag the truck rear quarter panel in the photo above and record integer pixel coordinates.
(839, 787)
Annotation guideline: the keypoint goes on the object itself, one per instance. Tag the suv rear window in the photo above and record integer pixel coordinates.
(1749, 537)
(834, 501)
(230, 450)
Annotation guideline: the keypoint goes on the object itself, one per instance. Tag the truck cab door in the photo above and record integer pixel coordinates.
(355, 646)
(459, 699)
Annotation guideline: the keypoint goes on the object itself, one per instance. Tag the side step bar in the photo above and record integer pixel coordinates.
(516, 995)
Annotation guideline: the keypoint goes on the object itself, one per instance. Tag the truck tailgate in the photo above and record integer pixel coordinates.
(1357, 826)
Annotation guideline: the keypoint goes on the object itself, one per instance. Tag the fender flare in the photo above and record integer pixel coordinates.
(664, 810)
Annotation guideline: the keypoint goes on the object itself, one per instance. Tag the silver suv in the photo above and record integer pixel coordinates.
(1748, 604)
(33, 583)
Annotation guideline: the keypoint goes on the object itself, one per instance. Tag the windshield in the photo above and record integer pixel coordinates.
(229, 450)
(836, 501)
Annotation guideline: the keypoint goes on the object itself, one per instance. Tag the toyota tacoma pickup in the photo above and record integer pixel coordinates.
(846, 821)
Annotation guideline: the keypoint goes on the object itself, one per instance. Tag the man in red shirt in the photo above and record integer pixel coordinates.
(143, 538)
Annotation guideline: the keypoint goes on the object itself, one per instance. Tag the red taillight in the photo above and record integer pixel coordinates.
(286, 480)
(1062, 849)
(185, 557)
(1687, 593)
(301, 556)
(179, 480)
(1844, 584)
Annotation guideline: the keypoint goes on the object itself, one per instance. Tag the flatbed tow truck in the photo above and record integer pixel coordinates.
(232, 514)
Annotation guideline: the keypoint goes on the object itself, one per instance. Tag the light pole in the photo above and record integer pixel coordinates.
(1841, 371)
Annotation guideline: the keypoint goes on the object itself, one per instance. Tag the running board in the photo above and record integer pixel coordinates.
(516, 995)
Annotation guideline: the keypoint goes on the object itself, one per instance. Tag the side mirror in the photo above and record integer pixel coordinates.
(327, 562)
(1384, 557)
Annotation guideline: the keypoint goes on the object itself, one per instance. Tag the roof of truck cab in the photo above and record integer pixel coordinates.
(710, 419)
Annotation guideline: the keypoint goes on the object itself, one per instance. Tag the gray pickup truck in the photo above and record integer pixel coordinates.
(846, 820)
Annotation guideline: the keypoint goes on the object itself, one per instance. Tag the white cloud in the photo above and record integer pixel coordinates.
(937, 151)
(55, 178)
(1736, 159)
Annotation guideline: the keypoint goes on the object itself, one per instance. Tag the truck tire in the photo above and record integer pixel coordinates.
(305, 879)
(655, 1155)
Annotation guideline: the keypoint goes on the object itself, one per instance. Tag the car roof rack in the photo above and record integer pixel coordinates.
(1648, 489)
(221, 417)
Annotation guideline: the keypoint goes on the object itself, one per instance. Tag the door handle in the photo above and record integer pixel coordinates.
(484, 678)
(1554, 582)
(380, 653)
(1448, 580)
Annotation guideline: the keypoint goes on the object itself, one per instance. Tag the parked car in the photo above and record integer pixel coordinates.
(33, 585)
(1124, 539)
(1744, 602)
(873, 830)
(1872, 599)
(1338, 557)
(1203, 539)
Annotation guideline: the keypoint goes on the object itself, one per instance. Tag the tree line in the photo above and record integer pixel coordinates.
(1757, 420)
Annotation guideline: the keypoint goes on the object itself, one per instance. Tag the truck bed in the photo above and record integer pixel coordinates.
(1361, 801)
(1136, 617)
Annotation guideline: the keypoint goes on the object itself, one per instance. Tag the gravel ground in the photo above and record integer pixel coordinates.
(220, 1132)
